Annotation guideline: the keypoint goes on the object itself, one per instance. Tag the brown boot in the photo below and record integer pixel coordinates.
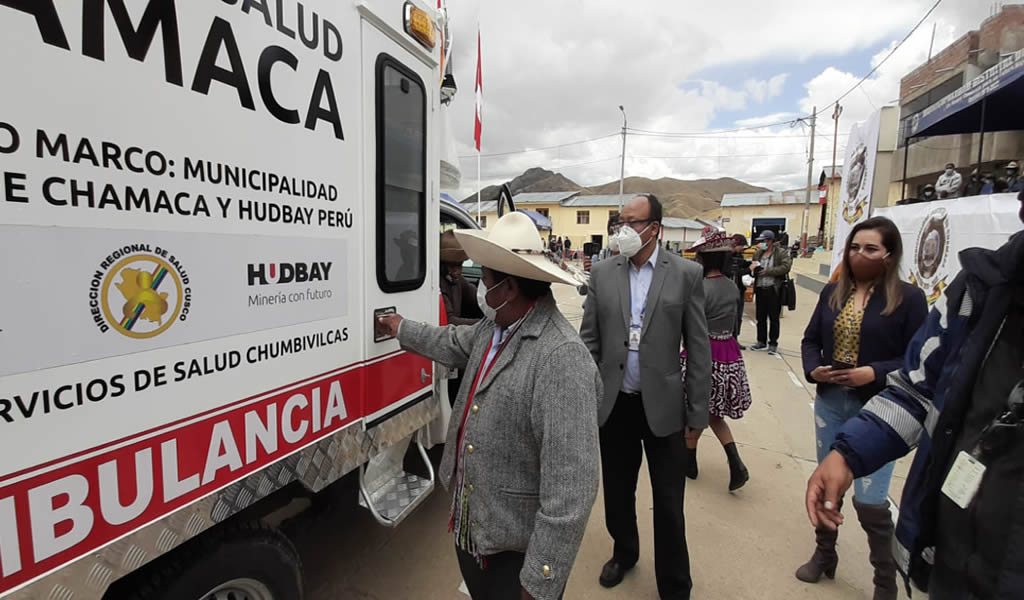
(825, 558)
(877, 522)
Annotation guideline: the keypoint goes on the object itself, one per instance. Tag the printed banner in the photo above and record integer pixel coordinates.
(858, 181)
(934, 233)
(124, 292)
(1009, 69)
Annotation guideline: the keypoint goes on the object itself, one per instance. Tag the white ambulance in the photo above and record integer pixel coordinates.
(203, 205)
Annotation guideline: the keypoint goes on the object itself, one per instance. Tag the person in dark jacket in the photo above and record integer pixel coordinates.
(770, 267)
(736, 267)
(458, 295)
(974, 184)
(958, 399)
(857, 335)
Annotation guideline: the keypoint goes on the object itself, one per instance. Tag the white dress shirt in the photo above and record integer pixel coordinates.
(639, 285)
(499, 337)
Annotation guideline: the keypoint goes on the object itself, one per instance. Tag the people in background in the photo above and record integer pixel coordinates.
(770, 267)
(568, 248)
(737, 267)
(458, 295)
(974, 184)
(521, 456)
(730, 390)
(928, 194)
(642, 307)
(949, 183)
(612, 249)
(859, 331)
(993, 184)
(958, 399)
(1014, 182)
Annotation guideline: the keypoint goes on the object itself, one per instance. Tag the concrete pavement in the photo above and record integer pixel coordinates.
(742, 545)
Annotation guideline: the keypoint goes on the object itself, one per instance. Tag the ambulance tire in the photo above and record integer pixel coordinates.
(247, 552)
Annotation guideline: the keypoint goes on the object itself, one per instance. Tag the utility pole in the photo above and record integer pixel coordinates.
(810, 176)
(622, 166)
(832, 204)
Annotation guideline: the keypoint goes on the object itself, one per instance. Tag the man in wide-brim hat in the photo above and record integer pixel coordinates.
(521, 457)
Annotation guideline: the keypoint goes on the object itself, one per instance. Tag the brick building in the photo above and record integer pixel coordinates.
(966, 58)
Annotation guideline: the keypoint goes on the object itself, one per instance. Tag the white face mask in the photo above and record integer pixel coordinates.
(481, 299)
(630, 242)
(949, 171)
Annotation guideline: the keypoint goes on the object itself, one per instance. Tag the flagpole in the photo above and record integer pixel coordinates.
(477, 125)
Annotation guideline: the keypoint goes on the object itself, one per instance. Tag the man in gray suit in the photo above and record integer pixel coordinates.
(641, 307)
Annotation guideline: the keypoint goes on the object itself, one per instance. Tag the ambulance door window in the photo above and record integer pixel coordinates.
(401, 177)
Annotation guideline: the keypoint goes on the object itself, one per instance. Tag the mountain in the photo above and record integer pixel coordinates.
(680, 198)
(532, 180)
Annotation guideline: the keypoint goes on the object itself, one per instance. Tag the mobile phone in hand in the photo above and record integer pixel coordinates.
(838, 365)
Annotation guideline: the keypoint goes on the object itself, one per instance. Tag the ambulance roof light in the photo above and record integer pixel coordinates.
(419, 25)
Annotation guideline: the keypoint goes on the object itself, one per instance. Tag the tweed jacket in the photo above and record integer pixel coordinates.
(534, 465)
(675, 315)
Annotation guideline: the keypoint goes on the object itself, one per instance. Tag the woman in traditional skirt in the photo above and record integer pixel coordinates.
(730, 390)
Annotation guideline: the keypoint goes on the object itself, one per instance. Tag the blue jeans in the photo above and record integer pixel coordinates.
(831, 410)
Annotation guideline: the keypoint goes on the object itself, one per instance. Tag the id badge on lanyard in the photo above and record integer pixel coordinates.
(634, 334)
(965, 476)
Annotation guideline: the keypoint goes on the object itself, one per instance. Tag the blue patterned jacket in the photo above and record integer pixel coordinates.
(925, 401)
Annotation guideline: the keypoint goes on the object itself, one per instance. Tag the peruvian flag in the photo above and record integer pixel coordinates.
(477, 124)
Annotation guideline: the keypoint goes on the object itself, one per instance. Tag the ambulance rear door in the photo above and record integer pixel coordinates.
(400, 200)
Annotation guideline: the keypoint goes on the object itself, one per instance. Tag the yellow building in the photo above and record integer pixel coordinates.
(580, 218)
(782, 212)
(585, 219)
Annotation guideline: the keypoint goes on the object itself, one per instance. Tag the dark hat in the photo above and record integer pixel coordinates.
(451, 249)
(766, 235)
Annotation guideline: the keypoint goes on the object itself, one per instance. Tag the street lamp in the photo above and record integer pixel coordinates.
(622, 166)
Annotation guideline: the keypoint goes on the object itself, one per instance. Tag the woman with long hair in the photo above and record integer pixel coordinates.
(730, 390)
(857, 335)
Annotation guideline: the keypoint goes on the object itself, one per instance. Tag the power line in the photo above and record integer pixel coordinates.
(709, 156)
(704, 133)
(891, 52)
(726, 137)
(524, 151)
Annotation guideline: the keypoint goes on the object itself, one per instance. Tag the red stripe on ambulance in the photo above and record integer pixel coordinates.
(53, 518)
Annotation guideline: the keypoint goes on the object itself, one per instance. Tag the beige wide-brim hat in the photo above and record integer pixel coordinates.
(514, 247)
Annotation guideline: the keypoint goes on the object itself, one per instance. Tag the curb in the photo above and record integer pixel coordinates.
(810, 283)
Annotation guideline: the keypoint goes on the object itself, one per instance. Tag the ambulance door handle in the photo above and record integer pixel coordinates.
(424, 376)
(380, 334)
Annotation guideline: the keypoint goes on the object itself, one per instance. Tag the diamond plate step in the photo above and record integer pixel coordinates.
(392, 499)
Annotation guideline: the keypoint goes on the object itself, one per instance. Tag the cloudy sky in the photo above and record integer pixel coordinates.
(556, 71)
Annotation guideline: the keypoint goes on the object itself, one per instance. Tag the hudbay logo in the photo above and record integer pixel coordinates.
(281, 273)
